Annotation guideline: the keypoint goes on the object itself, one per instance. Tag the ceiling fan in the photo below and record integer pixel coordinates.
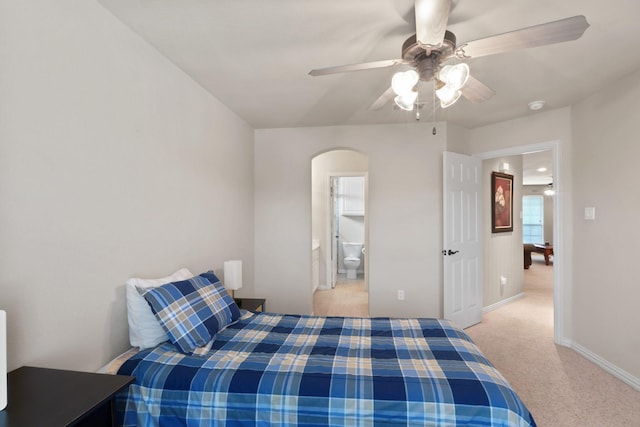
(428, 51)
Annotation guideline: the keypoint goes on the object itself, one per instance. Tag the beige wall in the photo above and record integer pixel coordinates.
(598, 292)
(502, 251)
(458, 139)
(113, 163)
(606, 290)
(405, 214)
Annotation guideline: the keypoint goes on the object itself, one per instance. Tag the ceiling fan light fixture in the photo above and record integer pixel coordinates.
(454, 76)
(446, 104)
(448, 96)
(404, 82)
(406, 101)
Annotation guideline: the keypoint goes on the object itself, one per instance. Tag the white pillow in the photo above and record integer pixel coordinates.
(144, 329)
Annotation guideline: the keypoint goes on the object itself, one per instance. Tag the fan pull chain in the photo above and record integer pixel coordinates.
(433, 105)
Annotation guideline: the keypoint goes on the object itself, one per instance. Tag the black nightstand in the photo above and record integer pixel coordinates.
(251, 304)
(57, 398)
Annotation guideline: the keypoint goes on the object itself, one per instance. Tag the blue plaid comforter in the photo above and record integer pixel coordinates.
(271, 369)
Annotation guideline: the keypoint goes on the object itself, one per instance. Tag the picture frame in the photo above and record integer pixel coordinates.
(501, 202)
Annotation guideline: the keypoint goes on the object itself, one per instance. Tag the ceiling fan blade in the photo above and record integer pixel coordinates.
(387, 96)
(539, 35)
(431, 21)
(476, 91)
(355, 67)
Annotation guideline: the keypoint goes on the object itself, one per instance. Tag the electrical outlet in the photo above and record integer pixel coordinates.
(400, 295)
(503, 282)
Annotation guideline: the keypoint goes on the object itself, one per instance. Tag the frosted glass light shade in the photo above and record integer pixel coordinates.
(448, 96)
(403, 82)
(406, 102)
(233, 275)
(3, 360)
(455, 76)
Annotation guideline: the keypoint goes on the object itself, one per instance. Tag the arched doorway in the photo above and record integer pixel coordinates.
(339, 232)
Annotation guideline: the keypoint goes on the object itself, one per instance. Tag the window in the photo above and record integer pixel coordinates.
(533, 219)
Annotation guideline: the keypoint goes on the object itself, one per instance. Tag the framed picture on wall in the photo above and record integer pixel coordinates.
(502, 202)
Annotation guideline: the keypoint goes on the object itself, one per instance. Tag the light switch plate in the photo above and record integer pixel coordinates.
(590, 213)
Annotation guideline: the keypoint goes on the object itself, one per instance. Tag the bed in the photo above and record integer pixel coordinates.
(266, 369)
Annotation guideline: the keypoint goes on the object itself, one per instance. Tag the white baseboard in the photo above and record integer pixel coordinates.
(499, 304)
(617, 372)
(344, 271)
(565, 342)
(614, 370)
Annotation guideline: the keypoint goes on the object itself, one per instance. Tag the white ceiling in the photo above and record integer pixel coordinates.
(532, 162)
(254, 55)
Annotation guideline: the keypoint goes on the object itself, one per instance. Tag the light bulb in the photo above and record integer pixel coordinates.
(454, 76)
(403, 82)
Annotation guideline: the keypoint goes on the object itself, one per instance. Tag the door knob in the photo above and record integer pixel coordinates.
(450, 252)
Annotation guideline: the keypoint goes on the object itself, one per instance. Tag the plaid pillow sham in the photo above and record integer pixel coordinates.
(192, 311)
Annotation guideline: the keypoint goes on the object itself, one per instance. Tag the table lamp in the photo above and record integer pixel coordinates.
(233, 275)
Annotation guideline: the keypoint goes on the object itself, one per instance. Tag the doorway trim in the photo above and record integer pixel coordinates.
(558, 209)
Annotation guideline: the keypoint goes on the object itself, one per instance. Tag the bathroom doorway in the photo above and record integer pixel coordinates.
(348, 217)
(339, 240)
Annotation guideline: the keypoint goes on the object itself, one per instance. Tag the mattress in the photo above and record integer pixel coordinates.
(273, 369)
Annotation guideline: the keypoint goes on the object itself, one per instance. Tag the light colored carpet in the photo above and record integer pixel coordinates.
(349, 298)
(560, 387)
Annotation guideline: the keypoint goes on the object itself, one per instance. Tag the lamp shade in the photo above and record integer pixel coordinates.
(233, 274)
(3, 360)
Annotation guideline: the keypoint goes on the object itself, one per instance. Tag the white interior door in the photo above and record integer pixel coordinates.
(462, 239)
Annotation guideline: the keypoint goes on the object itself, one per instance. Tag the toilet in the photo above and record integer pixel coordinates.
(351, 261)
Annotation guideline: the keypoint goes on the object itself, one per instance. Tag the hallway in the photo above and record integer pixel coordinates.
(349, 298)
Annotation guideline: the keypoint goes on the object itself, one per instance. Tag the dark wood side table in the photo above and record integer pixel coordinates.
(40, 397)
(251, 304)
